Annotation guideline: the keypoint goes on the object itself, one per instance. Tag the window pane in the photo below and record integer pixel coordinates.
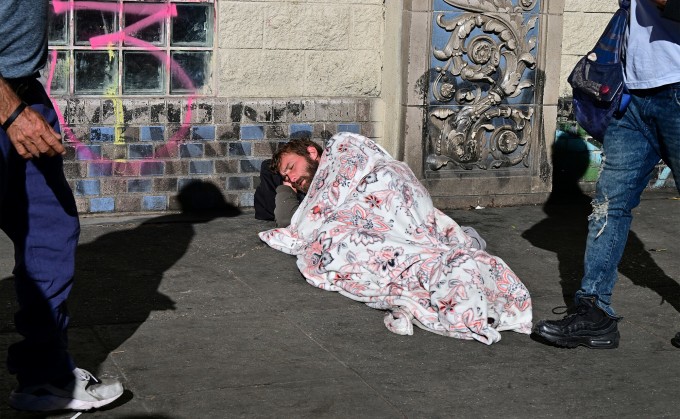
(192, 25)
(57, 28)
(152, 33)
(59, 77)
(142, 73)
(90, 23)
(190, 72)
(96, 72)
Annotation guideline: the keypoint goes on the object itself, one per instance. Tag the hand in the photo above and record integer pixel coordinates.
(32, 136)
(285, 182)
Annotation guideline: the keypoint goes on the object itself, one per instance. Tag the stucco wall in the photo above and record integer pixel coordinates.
(280, 48)
(584, 21)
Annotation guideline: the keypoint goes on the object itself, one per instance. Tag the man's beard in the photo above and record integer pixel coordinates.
(312, 167)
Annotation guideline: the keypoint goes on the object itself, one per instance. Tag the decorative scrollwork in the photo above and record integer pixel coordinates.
(485, 59)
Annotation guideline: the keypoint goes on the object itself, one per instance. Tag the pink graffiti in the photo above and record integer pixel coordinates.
(156, 13)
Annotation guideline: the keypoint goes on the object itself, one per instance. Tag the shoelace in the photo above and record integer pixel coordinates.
(562, 310)
(85, 375)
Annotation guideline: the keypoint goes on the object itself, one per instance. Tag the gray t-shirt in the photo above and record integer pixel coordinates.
(23, 37)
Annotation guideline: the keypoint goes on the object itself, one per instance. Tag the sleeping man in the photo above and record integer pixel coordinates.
(367, 229)
(280, 192)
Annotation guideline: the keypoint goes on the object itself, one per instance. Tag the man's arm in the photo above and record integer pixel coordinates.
(265, 193)
(28, 131)
(286, 204)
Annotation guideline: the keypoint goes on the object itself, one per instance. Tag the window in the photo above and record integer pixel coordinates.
(130, 47)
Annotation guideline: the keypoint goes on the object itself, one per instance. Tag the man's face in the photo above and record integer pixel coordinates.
(298, 170)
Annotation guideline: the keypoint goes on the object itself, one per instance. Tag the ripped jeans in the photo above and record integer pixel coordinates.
(633, 145)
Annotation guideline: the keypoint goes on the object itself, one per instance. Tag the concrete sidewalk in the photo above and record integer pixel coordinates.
(200, 319)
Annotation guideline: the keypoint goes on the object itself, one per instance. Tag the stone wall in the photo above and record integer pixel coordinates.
(157, 155)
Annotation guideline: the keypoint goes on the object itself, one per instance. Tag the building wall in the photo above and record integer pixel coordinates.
(280, 69)
(584, 21)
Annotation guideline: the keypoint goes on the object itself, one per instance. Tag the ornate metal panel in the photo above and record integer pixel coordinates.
(481, 101)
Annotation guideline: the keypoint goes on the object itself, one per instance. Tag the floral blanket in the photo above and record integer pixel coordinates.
(368, 230)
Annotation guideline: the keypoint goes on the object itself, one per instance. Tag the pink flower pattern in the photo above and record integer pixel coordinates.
(368, 230)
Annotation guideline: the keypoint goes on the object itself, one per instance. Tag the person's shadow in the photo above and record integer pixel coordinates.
(118, 274)
(565, 230)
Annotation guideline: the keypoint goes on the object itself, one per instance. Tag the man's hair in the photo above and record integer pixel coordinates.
(297, 146)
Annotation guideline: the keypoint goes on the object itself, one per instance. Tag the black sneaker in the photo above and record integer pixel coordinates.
(590, 326)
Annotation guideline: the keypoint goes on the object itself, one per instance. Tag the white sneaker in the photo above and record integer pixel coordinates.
(85, 392)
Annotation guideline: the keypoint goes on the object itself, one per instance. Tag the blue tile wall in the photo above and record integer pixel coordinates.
(139, 185)
(158, 155)
(101, 204)
(89, 152)
(87, 187)
(240, 149)
(102, 134)
(95, 169)
(154, 203)
(140, 151)
(152, 133)
(301, 131)
(251, 165)
(152, 168)
(205, 132)
(238, 183)
(247, 200)
(201, 167)
(191, 150)
(252, 132)
(354, 128)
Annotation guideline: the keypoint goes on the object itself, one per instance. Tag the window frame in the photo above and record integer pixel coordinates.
(167, 49)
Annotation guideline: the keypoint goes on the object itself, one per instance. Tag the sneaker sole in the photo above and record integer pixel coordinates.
(606, 341)
(31, 403)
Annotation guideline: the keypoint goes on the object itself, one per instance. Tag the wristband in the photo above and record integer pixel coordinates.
(14, 115)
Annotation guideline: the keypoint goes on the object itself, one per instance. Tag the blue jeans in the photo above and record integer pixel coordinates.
(633, 145)
(39, 215)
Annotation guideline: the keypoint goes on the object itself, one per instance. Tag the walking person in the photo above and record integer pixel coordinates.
(38, 213)
(648, 131)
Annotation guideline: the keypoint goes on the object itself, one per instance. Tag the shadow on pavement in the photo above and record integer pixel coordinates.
(565, 230)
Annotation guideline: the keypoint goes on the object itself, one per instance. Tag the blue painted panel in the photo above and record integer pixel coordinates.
(203, 132)
(191, 150)
(89, 152)
(240, 149)
(201, 167)
(354, 128)
(87, 187)
(140, 151)
(152, 133)
(301, 131)
(102, 134)
(139, 185)
(154, 203)
(101, 204)
(252, 132)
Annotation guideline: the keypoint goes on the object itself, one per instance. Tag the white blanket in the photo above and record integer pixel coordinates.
(368, 230)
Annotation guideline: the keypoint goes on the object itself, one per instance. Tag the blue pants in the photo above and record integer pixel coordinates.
(39, 215)
(648, 131)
